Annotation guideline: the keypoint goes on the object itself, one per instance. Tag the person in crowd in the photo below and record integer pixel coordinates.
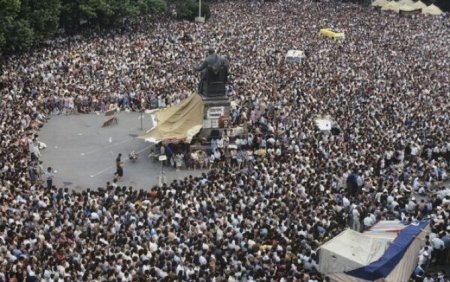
(289, 187)
(119, 168)
(49, 177)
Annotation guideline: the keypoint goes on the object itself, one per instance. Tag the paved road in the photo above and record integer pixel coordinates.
(83, 153)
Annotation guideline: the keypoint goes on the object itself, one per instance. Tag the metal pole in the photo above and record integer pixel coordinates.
(160, 176)
(199, 8)
(141, 121)
(162, 179)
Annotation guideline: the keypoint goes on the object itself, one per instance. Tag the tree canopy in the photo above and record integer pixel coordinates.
(24, 23)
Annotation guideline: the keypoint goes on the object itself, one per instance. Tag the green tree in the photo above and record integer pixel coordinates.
(43, 17)
(27, 22)
(70, 16)
(78, 13)
(124, 9)
(9, 9)
(95, 11)
(188, 9)
(20, 36)
(151, 6)
(105, 13)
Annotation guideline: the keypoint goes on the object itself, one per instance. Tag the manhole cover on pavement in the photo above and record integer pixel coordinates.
(67, 183)
(133, 135)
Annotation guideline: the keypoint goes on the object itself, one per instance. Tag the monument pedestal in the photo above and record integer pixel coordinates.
(216, 116)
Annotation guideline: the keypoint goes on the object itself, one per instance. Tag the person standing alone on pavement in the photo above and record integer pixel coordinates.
(119, 167)
(49, 177)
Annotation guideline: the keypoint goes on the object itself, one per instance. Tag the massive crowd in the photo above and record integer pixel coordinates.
(386, 87)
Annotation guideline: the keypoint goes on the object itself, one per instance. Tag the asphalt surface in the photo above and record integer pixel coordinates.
(83, 154)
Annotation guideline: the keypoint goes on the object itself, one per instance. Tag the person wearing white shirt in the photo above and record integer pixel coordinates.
(369, 220)
(438, 248)
(356, 224)
(345, 202)
(220, 143)
(423, 258)
(33, 147)
(202, 260)
(411, 206)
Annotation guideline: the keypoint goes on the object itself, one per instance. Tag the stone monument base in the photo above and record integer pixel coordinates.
(216, 116)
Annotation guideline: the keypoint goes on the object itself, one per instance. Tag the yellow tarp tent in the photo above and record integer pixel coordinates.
(379, 3)
(331, 34)
(432, 10)
(419, 5)
(406, 8)
(405, 2)
(391, 6)
(178, 123)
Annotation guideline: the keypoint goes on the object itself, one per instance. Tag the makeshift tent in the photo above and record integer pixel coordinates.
(178, 123)
(388, 226)
(385, 229)
(419, 5)
(406, 8)
(379, 3)
(405, 2)
(391, 6)
(432, 10)
(360, 258)
(350, 250)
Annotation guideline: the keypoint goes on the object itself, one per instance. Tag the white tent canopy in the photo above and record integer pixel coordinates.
(406, 2)
(379, 3)
(419, 5)
(407, 8)
(391, 6)
(356, 257)
(432, 10)
(350, 250)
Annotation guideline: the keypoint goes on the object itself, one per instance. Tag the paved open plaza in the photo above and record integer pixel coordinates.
(333, 165)
(83, 154)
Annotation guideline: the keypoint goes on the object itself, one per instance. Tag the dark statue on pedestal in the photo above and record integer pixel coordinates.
(214, 75)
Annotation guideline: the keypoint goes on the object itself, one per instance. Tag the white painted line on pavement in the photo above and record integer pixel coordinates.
(100, 172)
(142, 150)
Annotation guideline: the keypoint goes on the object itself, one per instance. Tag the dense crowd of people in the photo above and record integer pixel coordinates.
(261, 215)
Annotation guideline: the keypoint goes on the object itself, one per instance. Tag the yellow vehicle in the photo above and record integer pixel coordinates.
(331, 34)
